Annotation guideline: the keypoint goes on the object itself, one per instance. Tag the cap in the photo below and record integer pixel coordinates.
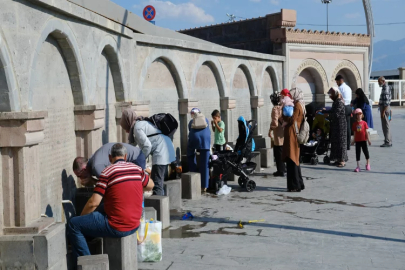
(357, 111)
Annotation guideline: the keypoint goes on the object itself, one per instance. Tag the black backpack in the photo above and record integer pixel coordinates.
(165, 122)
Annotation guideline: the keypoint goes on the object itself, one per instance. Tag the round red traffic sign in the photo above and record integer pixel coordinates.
(149, 13)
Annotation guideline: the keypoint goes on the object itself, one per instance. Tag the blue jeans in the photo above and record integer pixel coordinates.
(204, 159)
(92, 225)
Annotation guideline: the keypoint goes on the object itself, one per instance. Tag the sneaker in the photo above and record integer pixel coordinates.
(368, 167)
(386, 145)
(357, 169)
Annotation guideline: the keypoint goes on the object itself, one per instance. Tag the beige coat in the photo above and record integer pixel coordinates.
(275, 126)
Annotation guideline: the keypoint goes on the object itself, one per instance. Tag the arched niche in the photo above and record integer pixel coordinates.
(350, 74)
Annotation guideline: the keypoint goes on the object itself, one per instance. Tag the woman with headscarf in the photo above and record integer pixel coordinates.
(338, 130)
(199, 139)
(291, 150)
(276, 132)
(362, 102)
(152, 142)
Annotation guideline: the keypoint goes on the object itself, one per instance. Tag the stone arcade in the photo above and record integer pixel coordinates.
(69, 68)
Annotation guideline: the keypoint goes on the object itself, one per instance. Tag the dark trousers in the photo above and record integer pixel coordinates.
(219, 147)
(158, 177)
(359, 147)
(294, 176)
(278, 152)
(92, 225)
(349, 130)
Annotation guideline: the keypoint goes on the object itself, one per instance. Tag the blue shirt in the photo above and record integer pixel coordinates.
(199, 138)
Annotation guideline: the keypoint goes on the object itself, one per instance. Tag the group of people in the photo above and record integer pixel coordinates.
(288, 114)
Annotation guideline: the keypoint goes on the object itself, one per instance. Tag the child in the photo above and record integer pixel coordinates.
(218, 127)
(288, 106)
(361, 138)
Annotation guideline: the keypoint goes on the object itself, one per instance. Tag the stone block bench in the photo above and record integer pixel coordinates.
(150, 213)
(172, 189)
(257, 160)
(122, 252)
(94, 262)
(267, 159)
(191, 186)
(161, 204)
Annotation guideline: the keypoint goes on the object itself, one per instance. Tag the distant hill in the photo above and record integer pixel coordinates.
(389, 54)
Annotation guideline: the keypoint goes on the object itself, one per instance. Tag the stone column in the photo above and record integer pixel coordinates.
(141, 108)
(88, 118)
(257, 102)
(21, 132)
(122, 136)
(185, 107)
(227, 105)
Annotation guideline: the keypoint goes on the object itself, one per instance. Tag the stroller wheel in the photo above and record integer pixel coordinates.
(314, 161)
(326, 160)
(241, 181)
(250, 185)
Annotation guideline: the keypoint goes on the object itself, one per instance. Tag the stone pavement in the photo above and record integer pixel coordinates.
(342, 220)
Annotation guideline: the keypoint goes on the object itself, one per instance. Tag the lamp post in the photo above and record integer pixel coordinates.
(327, 2)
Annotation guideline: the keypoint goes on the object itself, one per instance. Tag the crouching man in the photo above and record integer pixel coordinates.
(122, 185)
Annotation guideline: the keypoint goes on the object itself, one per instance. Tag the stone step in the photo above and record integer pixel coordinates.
(93, 262)
(161, 204)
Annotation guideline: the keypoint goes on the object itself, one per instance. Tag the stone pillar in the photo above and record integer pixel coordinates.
(401, 73)
(122, 136)
(185, 107)
(88, 118)
(227, 106)
(141, 108)
(256, 103)
(21, 132)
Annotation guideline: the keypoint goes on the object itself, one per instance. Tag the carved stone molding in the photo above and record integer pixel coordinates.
(141, 107)
(256, 102)
(315, 65)
(227, 104)
(89, 117)
(121, 106)
(346, 64)
(302, 36)
(185, 105)
(19, 129)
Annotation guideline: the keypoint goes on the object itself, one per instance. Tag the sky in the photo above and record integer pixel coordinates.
(183, 14)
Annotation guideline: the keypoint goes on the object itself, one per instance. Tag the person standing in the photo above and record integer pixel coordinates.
(278, 133)
(199, 139)
(291, 150)
(152, 142)
(218, 127)
(346, 93)
(121, 185)
(362, 102)
(385, 111)
(338, 151)
(361, 138)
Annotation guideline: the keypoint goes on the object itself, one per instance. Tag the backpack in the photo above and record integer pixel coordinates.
(199, 122)
(165, 122)
(303, 132)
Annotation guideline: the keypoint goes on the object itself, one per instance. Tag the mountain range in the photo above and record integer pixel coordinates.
(389, 54)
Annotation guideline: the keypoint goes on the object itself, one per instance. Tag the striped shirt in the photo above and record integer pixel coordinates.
(121, 184)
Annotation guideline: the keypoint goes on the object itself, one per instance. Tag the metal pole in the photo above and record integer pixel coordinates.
(327, 17)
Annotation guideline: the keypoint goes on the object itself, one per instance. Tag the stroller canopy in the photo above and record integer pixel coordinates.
(245, 135)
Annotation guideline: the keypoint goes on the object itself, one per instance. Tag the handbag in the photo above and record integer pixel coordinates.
(149, 236)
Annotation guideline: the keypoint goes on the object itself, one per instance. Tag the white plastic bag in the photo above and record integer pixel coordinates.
(149, 237)
(224, 190)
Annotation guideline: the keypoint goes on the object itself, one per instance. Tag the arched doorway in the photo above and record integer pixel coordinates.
(350, 74)
(109, 91)
(206, 91)
(56, 89)
(241, 91)
(160, 87)
(349, 77)
(5, 105)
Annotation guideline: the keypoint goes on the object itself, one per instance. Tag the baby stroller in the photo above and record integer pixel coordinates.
(318, 143)
(237, 161)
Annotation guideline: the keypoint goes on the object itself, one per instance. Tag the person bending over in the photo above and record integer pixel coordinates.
(121, 185)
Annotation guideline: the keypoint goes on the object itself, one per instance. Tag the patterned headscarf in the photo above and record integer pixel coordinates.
(195, 112)
(298, 96)
(128, 119)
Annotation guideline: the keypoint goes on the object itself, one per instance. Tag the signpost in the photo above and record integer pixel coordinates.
(149, 13)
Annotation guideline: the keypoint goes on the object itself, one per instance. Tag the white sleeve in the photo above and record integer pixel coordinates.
(143, 141)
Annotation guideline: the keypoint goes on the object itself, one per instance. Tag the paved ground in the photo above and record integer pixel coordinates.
(342, 220)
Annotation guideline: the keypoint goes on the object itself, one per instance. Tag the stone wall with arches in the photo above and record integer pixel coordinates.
(71, 72)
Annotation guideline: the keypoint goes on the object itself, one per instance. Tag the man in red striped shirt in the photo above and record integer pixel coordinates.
(121, 185)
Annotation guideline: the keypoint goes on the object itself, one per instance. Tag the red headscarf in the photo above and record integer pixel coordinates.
(286, 93)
